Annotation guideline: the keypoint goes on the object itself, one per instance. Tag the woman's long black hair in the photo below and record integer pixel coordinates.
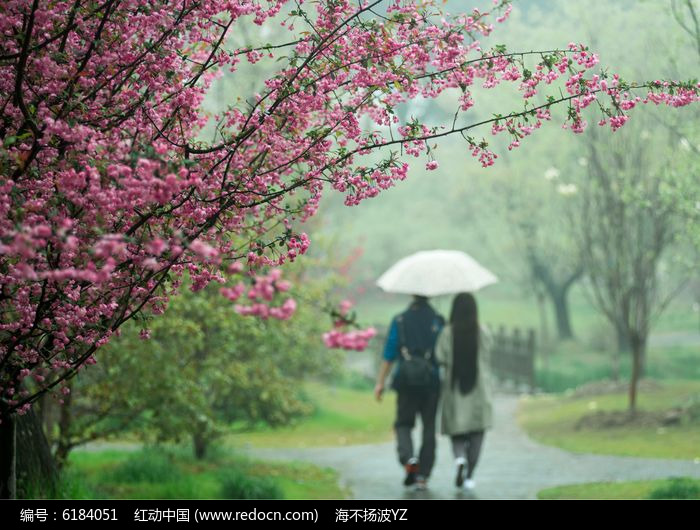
(465, 342)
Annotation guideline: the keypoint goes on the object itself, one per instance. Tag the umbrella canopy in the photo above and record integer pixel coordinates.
(436, 272)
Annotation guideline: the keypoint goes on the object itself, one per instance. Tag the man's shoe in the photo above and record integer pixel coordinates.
(411, 472)
(470, 484)
(461, 464)
(421, 483)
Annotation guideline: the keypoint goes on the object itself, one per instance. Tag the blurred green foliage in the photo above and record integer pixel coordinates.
(677, 488)
(148, 465)
(631, 490)
(204, 368)
(235, 484)
(222, 474)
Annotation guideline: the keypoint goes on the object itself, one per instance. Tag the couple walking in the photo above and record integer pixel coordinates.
(438, 362)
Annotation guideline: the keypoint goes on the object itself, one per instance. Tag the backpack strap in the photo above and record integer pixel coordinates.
(402, 338)
(405, 352)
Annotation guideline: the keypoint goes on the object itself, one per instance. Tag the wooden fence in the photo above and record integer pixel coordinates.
(513, 357)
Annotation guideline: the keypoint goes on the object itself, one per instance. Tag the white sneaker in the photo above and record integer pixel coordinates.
(470, 484)
(421, 483)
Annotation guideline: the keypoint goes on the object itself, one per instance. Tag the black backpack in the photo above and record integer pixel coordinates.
(416, 371)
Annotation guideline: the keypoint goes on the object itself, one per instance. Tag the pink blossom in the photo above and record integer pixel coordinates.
(357, 340)
(157, 246)
(203, 250)
(618, 121)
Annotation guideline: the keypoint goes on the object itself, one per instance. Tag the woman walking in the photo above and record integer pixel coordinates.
(462, 351)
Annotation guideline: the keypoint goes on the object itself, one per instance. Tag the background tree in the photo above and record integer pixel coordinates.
(628, 219)
(686, 132)
(533, 203)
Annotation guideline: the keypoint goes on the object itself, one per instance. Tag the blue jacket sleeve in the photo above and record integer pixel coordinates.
(391, 348)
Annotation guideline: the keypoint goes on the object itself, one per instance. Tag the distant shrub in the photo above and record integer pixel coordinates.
(235, 484)
(677, 488)
(72, 486)
(562, 379)
(691, 408)
(149, 465)
(69, 486)
(355, 381)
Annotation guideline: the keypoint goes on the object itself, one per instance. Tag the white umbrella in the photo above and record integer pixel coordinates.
(436, 272)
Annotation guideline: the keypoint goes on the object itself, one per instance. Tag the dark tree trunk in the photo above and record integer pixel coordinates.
(200, 444)
(561, 311)
(616, 365)
(624, 346)
(544, 333)
(558, 293)
(65, 421)
(36, 471)
(8, 457)
(623, 341)
(638, 347)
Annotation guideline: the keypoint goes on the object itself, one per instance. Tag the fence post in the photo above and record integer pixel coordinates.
(517, 358)
(513, 357)
(531, 357)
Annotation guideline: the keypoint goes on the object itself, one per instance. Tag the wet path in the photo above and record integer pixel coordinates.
(512, 465)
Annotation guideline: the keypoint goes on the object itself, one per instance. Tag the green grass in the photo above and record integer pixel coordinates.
(238, 484)
(552, 420)
(141, 475)
(344, 416)
(684, 488)
(570, 365)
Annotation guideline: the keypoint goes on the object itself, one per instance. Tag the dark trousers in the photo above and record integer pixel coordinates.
(408, 406)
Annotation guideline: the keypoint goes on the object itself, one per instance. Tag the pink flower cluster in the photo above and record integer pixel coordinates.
(356, 340)
(265, 311)
(342, 338)
(583, 90)
(261, 294)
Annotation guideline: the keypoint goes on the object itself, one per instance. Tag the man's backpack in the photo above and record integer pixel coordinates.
(416, 371)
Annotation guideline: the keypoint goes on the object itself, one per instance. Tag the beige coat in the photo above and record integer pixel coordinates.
(462, 413)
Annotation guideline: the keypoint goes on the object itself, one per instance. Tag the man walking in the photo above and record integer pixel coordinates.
(411, 342)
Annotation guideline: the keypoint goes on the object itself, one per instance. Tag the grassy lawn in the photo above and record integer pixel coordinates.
(643, 489)
(172, 474)
(343, 417)
(552, 420)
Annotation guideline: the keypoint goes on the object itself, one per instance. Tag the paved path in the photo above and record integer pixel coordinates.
(512, 465)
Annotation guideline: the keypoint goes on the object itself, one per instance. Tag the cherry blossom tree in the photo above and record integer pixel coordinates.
(109, 194)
